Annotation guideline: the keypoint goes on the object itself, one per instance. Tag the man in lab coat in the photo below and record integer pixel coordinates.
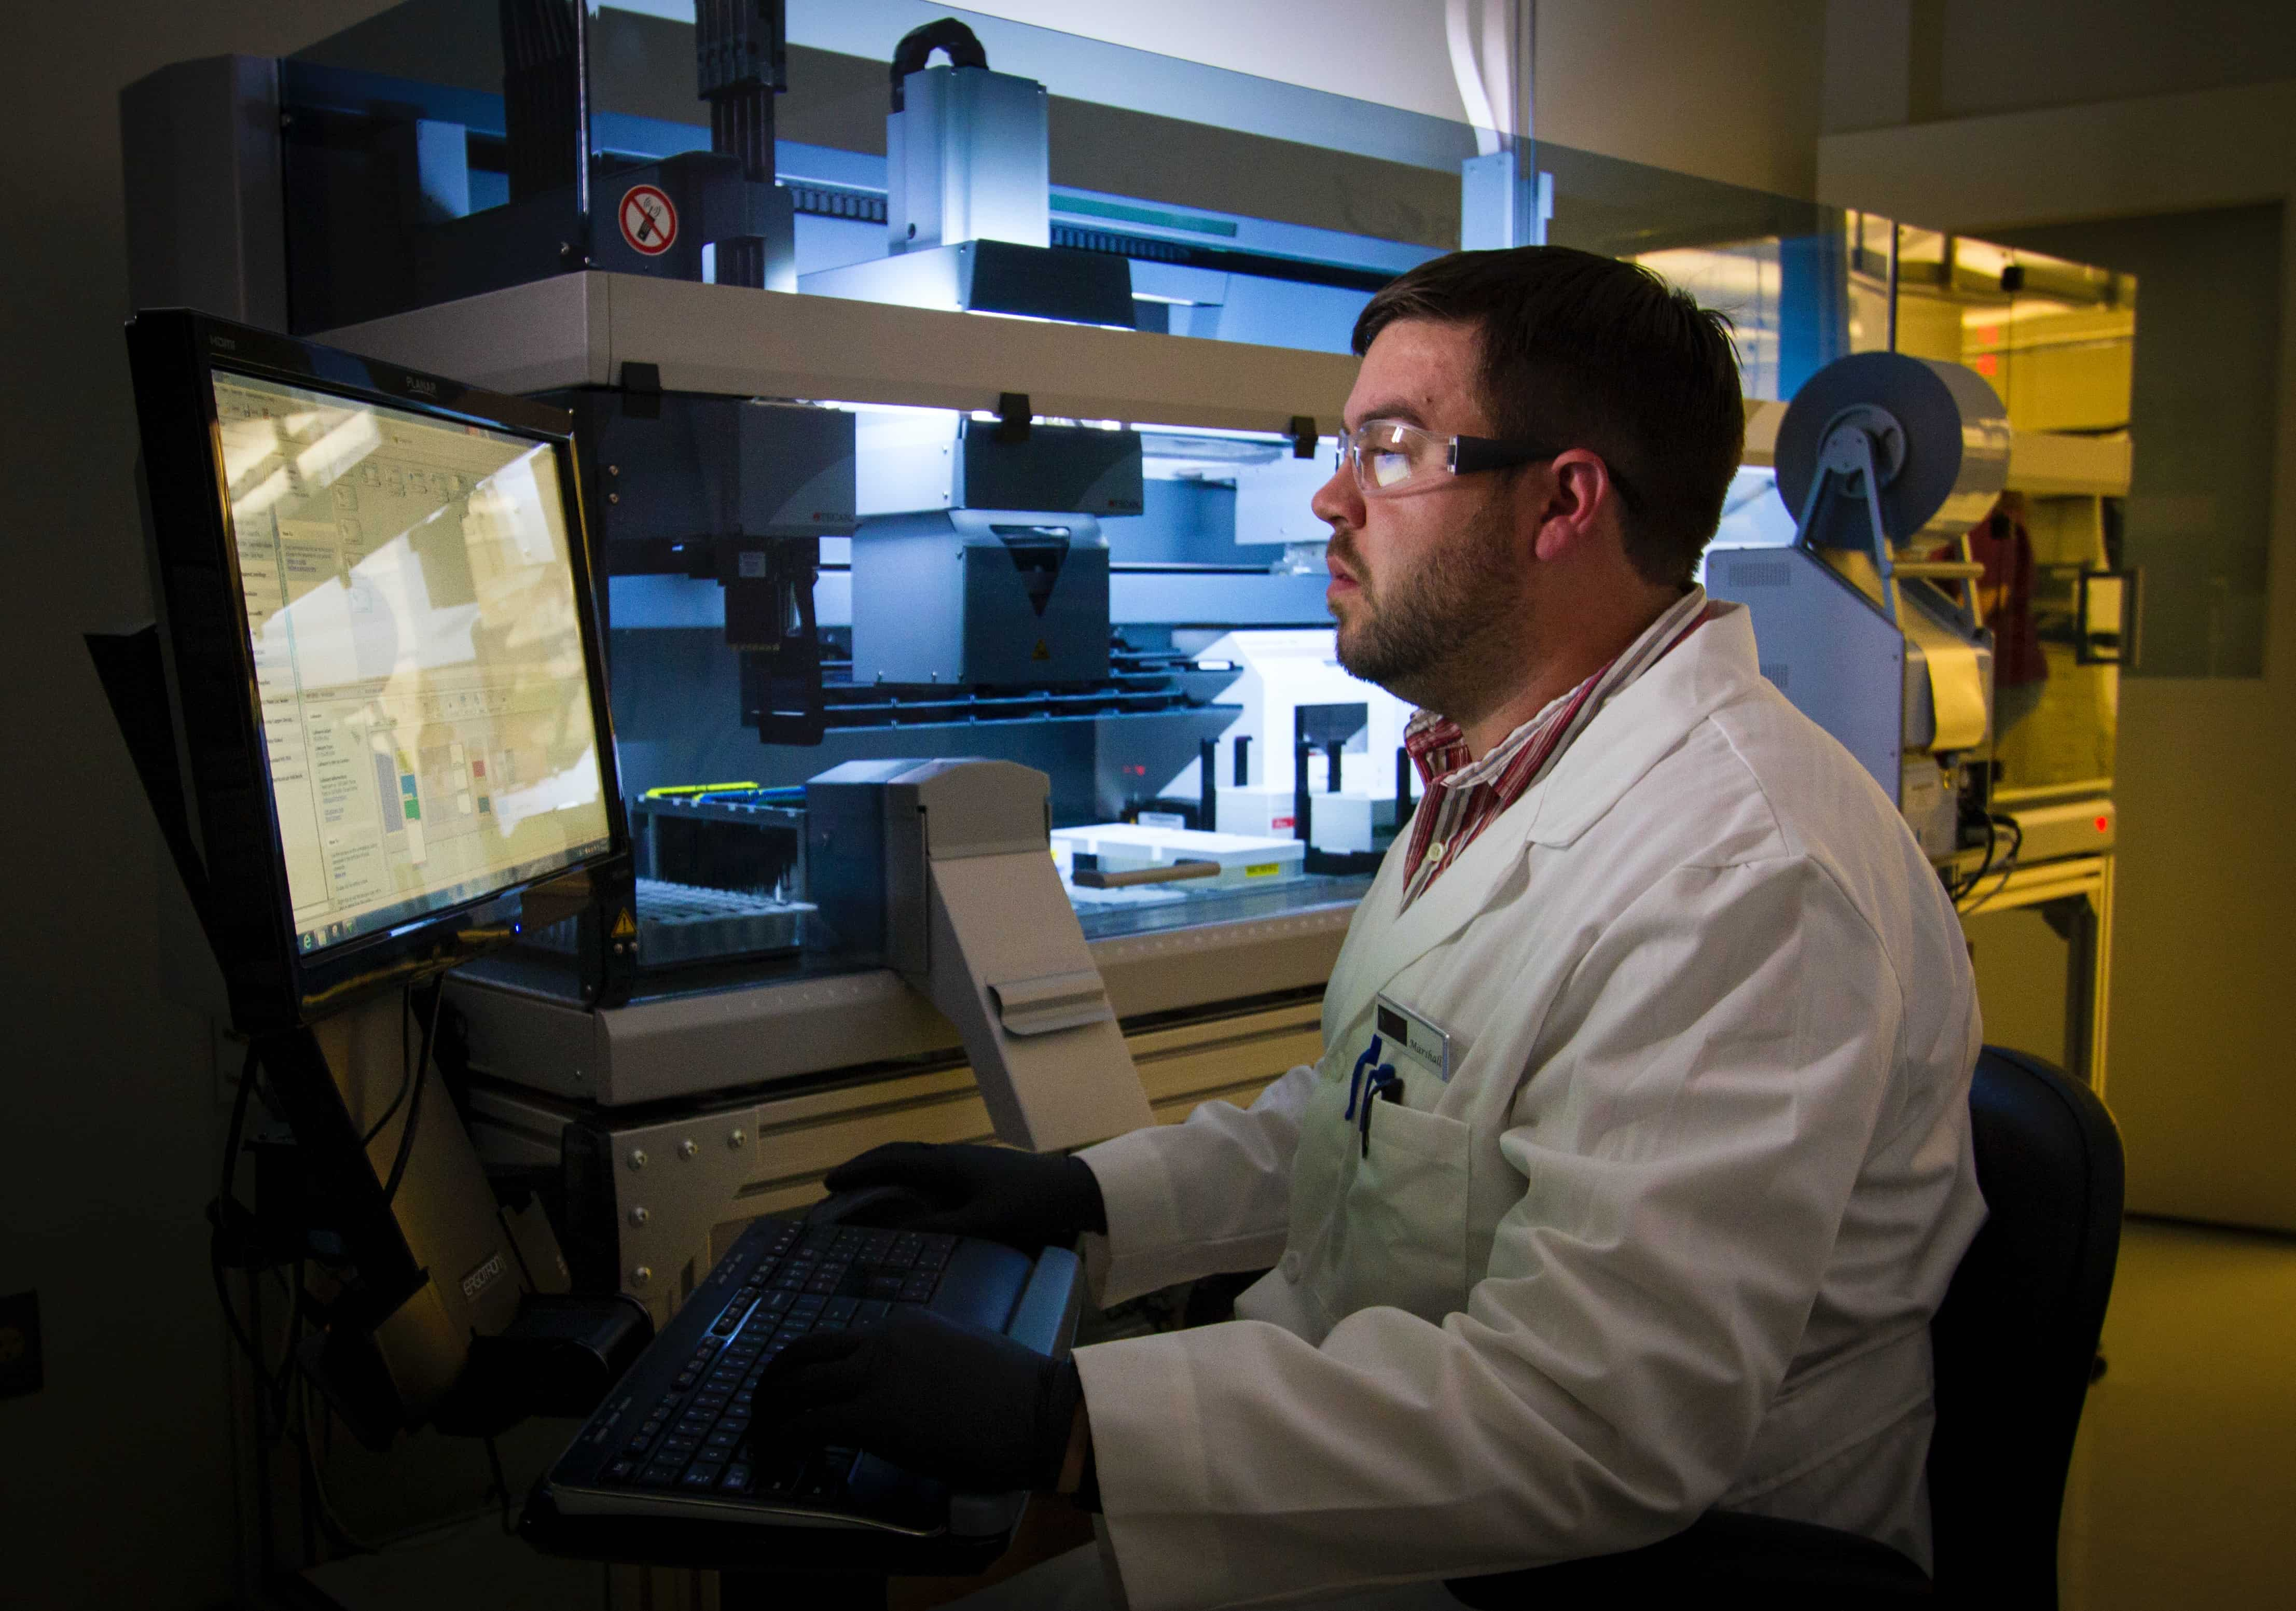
(1638, 1157)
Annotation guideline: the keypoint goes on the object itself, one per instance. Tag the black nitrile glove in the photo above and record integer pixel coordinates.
(975, 1409)
(1028, 1201)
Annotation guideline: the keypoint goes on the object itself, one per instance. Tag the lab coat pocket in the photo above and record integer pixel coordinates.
(1406, 1211)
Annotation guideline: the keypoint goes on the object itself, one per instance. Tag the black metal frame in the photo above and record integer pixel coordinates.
(273, 988)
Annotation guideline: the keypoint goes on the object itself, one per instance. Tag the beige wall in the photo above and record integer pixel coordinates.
(2201, 1062)
(1996, 58)
(1894, 61)
(1724, 91)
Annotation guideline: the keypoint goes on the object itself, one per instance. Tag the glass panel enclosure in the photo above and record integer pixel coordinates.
(1249, 210)
(1237, 209)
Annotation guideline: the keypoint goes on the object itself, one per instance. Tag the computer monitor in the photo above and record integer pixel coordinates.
(386, 667)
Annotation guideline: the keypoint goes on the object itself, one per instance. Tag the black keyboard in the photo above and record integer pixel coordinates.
(674, 1466)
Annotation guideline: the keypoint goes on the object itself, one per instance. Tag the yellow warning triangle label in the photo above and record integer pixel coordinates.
(625, 926)
(1042, 651)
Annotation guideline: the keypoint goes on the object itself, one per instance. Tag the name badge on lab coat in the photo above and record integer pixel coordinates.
(1414, 1037)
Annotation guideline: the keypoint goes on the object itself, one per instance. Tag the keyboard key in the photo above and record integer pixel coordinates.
(841, 1309)
(875, 1308)
(826, 1482)
(700, 1476)
(919, 1287)
(778, 1470)
(883, 1287)
(622, 1470)
(721, 1439)
(661, 1473)
(736, 1479)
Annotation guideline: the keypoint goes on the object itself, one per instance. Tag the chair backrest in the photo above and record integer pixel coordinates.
(2016, 1338)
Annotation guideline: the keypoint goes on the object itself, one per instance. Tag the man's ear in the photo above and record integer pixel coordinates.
(1579, 494)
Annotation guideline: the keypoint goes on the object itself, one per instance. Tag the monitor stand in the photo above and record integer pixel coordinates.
(457, 1314)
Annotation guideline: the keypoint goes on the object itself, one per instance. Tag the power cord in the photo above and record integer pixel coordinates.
(414, 1099)
(232, 1230)
(283, 1392)
(405, 1074)
(1959, 890)
(2008, 864)
(501, 1488)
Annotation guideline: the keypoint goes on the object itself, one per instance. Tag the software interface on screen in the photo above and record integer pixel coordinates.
(418, 655)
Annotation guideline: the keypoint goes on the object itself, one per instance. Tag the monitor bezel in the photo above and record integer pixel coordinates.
(272, 985)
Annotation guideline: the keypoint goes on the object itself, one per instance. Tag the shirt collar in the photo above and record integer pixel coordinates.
(1439, 745)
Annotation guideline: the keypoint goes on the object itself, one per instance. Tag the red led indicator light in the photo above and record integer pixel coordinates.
(2105, 824)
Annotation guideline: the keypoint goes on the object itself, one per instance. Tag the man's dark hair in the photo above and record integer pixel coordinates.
(1586, 351)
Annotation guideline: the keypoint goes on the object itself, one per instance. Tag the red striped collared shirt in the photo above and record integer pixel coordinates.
(1464, 795)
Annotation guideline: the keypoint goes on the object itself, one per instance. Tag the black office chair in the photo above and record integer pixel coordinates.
(2015, 1344)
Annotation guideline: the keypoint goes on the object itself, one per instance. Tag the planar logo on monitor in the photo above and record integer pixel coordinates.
(484, 1276)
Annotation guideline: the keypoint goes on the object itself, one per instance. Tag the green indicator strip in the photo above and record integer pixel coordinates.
(1087, 207)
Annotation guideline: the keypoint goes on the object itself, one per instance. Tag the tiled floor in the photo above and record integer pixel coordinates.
(2184, 1482)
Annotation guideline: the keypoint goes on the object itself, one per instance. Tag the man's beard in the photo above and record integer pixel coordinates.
(1419, 631)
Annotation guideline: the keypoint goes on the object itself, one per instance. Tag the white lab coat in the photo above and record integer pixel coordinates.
(1669, 1238)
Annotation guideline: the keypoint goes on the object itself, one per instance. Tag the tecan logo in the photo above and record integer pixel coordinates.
(484, 1276)
(422, 386)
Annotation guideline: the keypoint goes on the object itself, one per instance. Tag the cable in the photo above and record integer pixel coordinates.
(219, 1212)
(415, 1101)
(291, 1361)
(501, 1488)
(1960, 889)
(406, 1074)
(330, 1521)
(2008, 865)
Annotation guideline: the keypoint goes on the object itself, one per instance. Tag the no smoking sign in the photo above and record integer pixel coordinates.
(649, 220)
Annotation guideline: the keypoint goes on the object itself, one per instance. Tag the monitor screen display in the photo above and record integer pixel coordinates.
(414, 627)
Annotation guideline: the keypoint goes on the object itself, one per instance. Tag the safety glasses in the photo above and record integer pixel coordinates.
(1391, 457)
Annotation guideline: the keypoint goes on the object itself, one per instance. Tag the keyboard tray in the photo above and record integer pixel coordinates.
(666, 1470)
